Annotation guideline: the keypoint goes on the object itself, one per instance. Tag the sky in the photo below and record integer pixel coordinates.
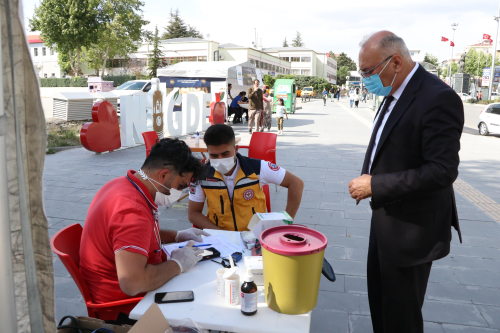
(334, 26)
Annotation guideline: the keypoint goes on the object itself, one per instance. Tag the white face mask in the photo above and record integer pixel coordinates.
(162, 199)
(223, 165)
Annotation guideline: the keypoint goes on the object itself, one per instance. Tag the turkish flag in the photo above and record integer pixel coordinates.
(486, 36)
(491, 41)
(452, 44)
(444, 39)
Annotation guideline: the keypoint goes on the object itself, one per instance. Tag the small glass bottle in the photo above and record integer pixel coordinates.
(248, 295)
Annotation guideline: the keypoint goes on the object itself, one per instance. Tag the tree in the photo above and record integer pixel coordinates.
(297, 42)
(332, 55)
(120, 34)
(269, 80)
(454, 69)
(342, 73)
(69, 26)
(476, 61)
(344, 60)
(64, 63)
(155, 57)
(431, 59)
(285, 44)
(176, 28)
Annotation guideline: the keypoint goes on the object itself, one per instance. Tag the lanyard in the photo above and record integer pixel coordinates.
(154, 213)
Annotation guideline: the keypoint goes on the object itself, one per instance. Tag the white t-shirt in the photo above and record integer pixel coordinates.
(269, 174)
(280, 110)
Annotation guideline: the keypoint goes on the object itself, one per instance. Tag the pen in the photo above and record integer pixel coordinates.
(357, 202)
(198, 245)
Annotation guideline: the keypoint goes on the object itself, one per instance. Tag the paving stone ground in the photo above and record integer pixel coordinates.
(325, 146)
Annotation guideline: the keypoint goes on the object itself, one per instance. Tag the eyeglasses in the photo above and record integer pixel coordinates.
(367, 74)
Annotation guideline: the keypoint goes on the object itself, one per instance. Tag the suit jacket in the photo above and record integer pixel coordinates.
(414, 167)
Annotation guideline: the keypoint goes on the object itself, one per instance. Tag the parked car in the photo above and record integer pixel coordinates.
(465, 97)
(133, 87)
(489, 120)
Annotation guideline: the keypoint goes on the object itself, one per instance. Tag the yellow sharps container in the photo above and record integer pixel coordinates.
(293, 259)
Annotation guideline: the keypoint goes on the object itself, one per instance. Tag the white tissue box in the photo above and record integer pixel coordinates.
(263, 221)
(257, 267)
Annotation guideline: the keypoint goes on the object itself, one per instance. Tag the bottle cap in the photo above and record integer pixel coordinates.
(248, 276)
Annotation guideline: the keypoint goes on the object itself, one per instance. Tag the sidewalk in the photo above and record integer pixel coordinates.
(325, 146)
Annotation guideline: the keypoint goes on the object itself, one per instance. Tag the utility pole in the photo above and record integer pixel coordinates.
(492, 69)
(454, 27)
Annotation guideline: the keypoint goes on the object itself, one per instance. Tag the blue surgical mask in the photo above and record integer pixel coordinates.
(375, 86)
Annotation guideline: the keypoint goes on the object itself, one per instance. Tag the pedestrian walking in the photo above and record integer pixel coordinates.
(324, 95)
(480, 95)
(356, 98)
(280, 113)
(332, 94)
(363, 95)
(268, 112)
(351, 96)
(408, 172)
(255, 106)
(338, 95)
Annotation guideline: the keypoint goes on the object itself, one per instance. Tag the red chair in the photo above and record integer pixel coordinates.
(66, 244)
(263, 147)
(150, 139)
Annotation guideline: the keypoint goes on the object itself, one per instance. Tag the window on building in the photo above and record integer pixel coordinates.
(202, 58)
(35, 51)
(257, 63)
(274, 68)
(45, 75)
(306, 72)
(285, 58)
(295, 59)
(305, 59)
(53, 74)
(252, 61)
(296, 71)
(51, 51)
(412, 53)
(44, 51)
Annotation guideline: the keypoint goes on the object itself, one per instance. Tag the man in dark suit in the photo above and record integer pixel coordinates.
(409, 168)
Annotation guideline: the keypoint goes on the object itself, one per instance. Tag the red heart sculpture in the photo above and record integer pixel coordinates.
(104, 133)
(218, 108)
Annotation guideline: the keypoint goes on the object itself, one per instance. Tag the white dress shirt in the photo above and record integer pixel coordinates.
(396, 95)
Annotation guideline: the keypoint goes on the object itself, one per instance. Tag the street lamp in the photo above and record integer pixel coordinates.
(492, 70)
(454, 27)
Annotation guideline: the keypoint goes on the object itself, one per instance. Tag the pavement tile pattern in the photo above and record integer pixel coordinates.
(325, 146)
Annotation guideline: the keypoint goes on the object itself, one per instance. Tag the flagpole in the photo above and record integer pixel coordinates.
(454, 27)
(492, 70)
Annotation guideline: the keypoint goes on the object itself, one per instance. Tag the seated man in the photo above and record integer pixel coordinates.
(232, 185)
(121, 246)
(235, 108)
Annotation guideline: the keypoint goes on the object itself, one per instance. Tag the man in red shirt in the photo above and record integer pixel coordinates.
(121, 253)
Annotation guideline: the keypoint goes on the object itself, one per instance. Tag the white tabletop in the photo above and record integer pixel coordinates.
(245, 106)
(211, 312)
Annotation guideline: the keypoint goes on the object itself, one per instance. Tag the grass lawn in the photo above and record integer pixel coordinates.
(65, 135)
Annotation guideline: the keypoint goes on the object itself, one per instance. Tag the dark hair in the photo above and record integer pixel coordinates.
(172, 153)
(219, 134)
(282, 101)
(242, 93)
(256, 80)
(229, 84)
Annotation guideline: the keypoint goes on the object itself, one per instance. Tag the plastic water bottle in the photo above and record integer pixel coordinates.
(197, 137)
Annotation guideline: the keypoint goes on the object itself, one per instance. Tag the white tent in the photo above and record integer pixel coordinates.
(212, 69)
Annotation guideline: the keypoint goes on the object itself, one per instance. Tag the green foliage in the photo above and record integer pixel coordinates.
(64, 63)
(297, 42)
(120, 33)
(332, 55)
(318, 83)
(285, 43)
(431, 59)
(269, 80)
(342, 73)
(63, 82)
(63, 137)
(119, 80)
(177, 28)
(68, 25)
(155, 57)
(476, 61)
(344, 60)
(454, 69)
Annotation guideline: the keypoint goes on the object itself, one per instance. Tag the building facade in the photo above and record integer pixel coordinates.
(44, 58)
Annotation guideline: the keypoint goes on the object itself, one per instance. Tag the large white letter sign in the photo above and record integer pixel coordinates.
(172, 121)
(190, 113)
(133, 119)
(204, 99)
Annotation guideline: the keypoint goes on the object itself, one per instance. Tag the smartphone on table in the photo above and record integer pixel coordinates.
(174, 297)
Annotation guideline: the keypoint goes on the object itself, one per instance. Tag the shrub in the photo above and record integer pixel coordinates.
(118, 80)
(63, 82)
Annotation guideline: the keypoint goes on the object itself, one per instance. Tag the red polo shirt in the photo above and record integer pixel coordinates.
(119, 219)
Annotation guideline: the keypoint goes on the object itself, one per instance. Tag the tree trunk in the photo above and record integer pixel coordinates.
(78, 66)
(104, 60)
(72, 62)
